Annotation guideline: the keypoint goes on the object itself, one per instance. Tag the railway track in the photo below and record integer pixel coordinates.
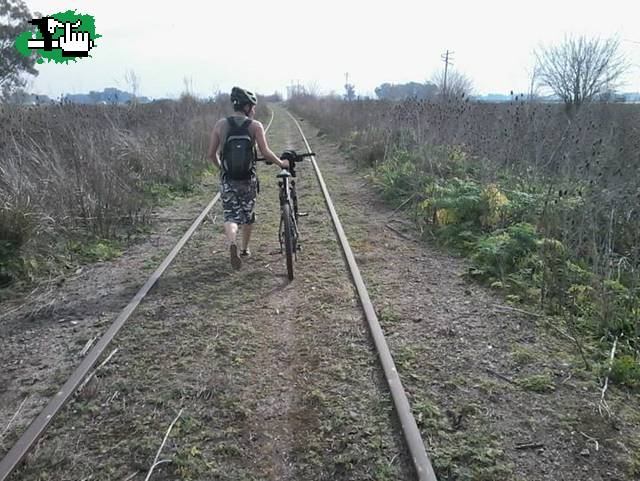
(414, 442)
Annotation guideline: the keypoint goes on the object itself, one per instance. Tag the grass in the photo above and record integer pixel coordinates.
(389, 318)
(539, 383)
(94, 185)
(633, 461)
(523, 355)
(98, 250)
(461, 447)
(521, 226)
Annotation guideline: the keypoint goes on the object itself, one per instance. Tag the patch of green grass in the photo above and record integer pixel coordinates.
(227, 449)
(540, 383)
(384, 471)
(471, 457)
(189, 424)
(97, 250)
(428, 416)
(523, 356)
(388, 317)
(625, 370)
(189, 463)
(405, 357)
(631, 456)
(167, 192)
(89, 408)
(315, 398)
(489, 386)
(461, 449)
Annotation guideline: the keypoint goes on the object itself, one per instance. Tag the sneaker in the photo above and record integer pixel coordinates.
(246, 253)
(236, 262)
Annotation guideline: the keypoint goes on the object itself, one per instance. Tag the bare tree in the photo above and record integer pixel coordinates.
(457, 83)
(534, 82)
(14, 20)
(188, 93)
(133, 82)
(313, 88)
(581, 69)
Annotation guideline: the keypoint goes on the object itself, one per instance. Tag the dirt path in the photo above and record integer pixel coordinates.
(278, 381)
(497, 394)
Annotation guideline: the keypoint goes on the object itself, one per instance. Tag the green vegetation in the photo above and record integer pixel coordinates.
(98, 250)
(561, 235)
(78, 192)
(626, 370)
(523, 356)
(461, 448)
(502, 231)
(540, 383)
(496, 227)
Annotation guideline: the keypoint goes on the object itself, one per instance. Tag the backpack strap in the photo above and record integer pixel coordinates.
(244, 128)
(235, 129)
(232, 126)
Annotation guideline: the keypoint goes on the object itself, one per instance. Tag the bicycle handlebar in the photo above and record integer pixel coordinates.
(291, 155)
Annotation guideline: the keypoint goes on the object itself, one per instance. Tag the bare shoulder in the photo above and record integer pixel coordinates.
(256, 127)
(219, 124)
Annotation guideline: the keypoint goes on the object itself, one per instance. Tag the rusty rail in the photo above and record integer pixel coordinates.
(421, 462)
(17, 453)
(40, 423)
(414, 441)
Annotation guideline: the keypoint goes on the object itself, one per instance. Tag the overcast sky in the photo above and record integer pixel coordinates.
(263, 45)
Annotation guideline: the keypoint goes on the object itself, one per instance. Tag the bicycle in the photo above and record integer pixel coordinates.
(288, 234)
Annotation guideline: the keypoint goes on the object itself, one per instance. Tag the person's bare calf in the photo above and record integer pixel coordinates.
(246, 237)
(231, 232)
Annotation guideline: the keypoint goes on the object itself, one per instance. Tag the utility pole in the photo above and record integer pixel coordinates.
(447, 58)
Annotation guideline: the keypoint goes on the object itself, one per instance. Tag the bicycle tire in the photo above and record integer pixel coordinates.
(288, 238)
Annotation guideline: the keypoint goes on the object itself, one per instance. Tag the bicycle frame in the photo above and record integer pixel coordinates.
(288, 196)
(289, 207)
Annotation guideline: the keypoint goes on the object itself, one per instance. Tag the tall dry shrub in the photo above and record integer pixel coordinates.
(68, 171)
(580, 174)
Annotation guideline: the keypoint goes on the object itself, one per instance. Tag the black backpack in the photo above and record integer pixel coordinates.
(239, 151)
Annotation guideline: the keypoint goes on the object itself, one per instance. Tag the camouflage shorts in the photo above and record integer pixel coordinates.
(239, 200)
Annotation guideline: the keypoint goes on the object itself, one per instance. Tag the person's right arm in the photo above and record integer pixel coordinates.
(261, 140)
(214, 145)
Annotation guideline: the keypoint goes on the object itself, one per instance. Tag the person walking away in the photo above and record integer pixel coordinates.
(233, 150)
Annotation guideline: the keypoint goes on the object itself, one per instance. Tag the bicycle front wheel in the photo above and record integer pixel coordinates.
(288, 237)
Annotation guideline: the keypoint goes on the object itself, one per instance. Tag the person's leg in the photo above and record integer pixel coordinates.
(231, 206)
(246, 236)
(231, 231)
(249, 216)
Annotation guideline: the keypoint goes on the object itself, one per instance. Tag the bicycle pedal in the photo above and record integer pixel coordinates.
(303, 214)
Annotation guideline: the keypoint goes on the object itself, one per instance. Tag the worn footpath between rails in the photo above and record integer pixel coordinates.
(278, 380)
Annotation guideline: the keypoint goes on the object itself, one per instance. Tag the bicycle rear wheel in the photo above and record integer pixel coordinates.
(288, 236)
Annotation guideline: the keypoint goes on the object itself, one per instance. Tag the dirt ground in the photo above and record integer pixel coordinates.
(279, 381)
